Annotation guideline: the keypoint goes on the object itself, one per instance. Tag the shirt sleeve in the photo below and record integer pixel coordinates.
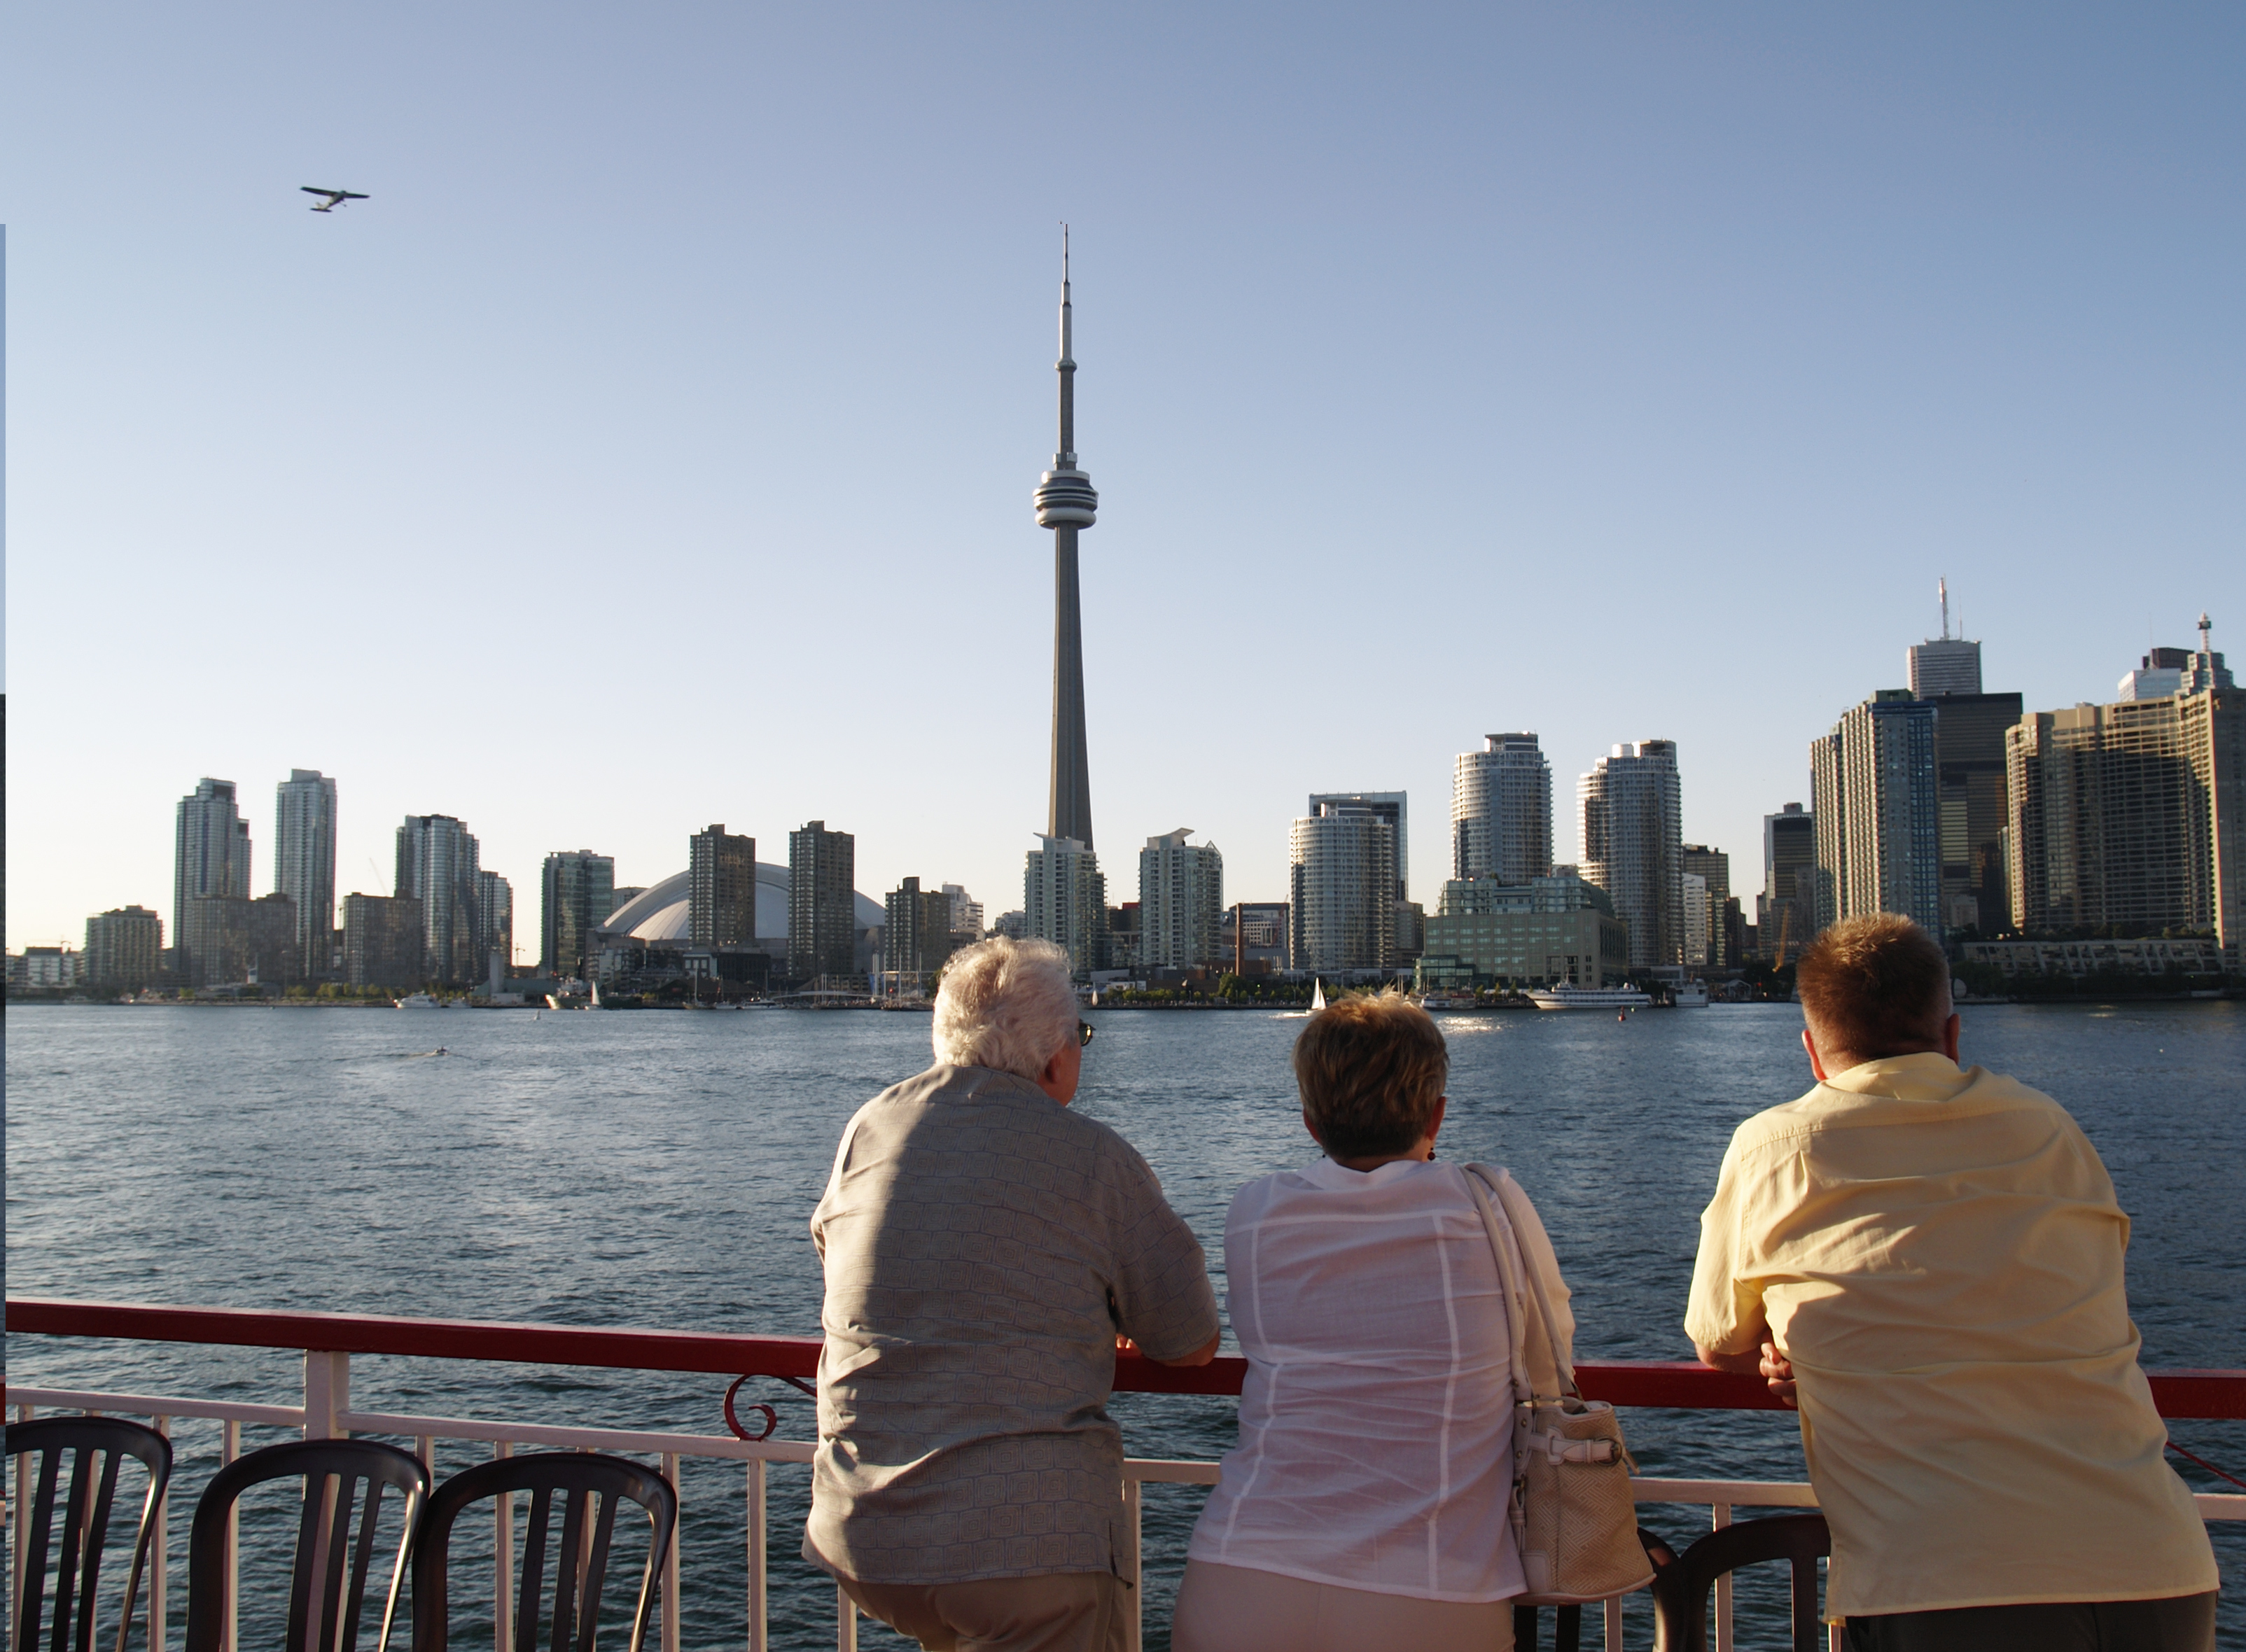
(1536, 1254)
(1725, 1305)
(1163, 1301)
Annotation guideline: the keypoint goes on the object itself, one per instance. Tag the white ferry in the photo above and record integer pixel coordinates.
(1433, 1002)
(1568, 997)
(416, 1001)
(1693, 995)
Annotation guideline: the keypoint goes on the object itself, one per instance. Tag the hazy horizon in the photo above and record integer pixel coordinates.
(655, 446)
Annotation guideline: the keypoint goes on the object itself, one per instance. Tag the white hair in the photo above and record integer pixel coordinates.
(1005, 1003)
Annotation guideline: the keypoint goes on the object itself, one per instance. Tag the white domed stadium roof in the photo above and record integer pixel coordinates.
(659, 913)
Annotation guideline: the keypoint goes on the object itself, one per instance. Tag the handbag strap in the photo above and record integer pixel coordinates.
(1523, 1285)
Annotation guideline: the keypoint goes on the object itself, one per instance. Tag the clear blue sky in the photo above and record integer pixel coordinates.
(654, 447)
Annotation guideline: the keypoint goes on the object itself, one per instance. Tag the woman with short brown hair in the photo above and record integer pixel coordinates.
(1366, 1504)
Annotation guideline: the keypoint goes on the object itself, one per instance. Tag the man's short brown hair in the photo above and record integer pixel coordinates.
(1874, 987)
(1370, 1066)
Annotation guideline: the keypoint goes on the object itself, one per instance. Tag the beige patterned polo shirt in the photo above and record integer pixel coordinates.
(983, 1247)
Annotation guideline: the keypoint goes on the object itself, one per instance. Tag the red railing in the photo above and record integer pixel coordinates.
(1682, 1385)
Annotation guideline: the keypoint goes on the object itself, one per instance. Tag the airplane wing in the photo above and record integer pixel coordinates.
(347, 195)
(311, 189)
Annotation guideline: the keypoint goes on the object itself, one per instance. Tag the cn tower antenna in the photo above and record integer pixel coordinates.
(1067, 503)
(1943, 586)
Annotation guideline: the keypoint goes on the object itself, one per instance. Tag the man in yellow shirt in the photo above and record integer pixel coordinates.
(1928, 1262)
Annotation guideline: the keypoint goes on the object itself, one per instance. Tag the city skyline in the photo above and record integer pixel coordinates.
(1761, 353)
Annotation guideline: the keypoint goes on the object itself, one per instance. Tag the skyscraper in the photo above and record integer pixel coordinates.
(1946, 665)
(1633, 827)
(1874, 792)
(1713, 868)
(437, 866)
(210, 861)
(304, 861)
(578, 892)
(721, 888)
(1180, 902)
(2132, 816)
(917, 934)
(1341, 886)
(822, 913)
(1066, 504)
(1502, 811)
(1786, 912)
(384, 941)
(2178, 670)
(1065, 901)
(495, 919)
(123, 947)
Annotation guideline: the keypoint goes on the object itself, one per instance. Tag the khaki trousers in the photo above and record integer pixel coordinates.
(1233, 1609)
(1053, 1612)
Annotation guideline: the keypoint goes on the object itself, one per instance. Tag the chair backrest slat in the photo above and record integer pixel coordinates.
(597, 1569)
(533, 1571)
(100, 1444)
(1681, 1590)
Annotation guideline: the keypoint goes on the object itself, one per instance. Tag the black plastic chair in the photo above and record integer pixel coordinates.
(102, 1444)
(581, 1559)
(1680, 1592)
(342, 1477)
(1568, 1621)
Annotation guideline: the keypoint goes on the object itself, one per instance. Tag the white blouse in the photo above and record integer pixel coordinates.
(1376, 1423)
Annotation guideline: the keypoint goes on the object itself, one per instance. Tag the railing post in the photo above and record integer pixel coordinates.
(1134, 1628)
(1614, 1624)
(159, 1567)
(23, 1414)
(846, 1621)
(1722, 1516)
(327, 1393)
(503, 1561)
(671, 1561)
(757, 1610)
(229, 1448)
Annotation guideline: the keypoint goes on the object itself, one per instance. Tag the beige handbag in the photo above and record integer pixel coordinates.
(1573, 1515)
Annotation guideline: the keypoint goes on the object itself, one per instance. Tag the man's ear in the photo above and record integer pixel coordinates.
(1809, 1044)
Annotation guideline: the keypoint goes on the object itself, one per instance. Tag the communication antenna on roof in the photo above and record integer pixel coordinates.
(2206, 642)
(1943, 586)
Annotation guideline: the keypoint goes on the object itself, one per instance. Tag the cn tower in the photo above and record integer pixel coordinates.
(1066, 503)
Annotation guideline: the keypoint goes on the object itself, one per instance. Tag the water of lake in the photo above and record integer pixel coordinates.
(658, 1170)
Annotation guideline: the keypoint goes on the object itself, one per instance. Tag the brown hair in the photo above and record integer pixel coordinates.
(1370, 1066)
(1874, 987)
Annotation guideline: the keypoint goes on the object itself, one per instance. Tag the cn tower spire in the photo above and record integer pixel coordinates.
(1065, 504)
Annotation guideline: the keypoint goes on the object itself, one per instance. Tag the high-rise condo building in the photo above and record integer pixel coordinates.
(495, 919)
(1065, 897)
(1391, 807)
(210, 861)
(1180, 902)
(1065, 901)
(966, 917)
(822, 913)
(1549, 929)
(1785, 915)
(917, 934)
(1945, 664)
(1713, 868)
(1341, 886)
(437, 865)
(271, 940)
(383, 942)
(577, 892)
(124, 948)
(721, 888)
(1502, 811)
(1696, 920)
(2167, 671)
(2132, 816)
(1874, 790)
(1633, 837)
(304, 861)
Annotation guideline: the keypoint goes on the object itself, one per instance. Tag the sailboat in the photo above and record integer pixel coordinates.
(1317, 997)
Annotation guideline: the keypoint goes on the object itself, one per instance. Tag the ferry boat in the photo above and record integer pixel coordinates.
(1567, 995)
(1434, 1002)
(416, 1001)
(1693, 995)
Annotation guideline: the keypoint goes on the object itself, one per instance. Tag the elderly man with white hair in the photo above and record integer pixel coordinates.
(986, 1252)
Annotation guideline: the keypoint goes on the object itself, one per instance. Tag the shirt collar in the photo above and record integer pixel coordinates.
(1326, 1173)
(1925, 1076)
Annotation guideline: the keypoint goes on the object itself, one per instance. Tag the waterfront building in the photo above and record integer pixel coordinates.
(1708, 934)
(1969, 764)
(1181, 902)
(1502, 811)
(2142, 956)
(383, 942)
(1873, 790)
(822, 869)
(916, 935)
(2130, 817)
(44, 970)
(1341, 886)
(1252, 938)
(721, 869)
(577, 891)
(304, 861)
(2167, 671)
(210, 859)
(1545, 930)
(1946, 665)
(1014, 925)
(495, 921)
(1696, 920)
(1633, 838)
(1065, 901)
(273, 942)
(1786, 914)
(966, 915)
(437, 865)
(1391, 807)
(124, 948)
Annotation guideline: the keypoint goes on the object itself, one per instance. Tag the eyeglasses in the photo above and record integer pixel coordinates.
(1083, 1033)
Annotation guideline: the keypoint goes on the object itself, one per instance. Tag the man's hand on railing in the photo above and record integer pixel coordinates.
(1778, 1372)
(1200, 1355)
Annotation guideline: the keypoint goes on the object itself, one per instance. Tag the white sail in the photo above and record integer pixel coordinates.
(1317, 994)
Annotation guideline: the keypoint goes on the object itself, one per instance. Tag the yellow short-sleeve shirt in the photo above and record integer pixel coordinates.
(1940, 1254)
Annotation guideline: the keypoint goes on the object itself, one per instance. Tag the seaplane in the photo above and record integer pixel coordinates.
(331, 199)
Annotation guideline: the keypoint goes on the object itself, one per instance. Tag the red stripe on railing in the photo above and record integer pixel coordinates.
(1681, 1385)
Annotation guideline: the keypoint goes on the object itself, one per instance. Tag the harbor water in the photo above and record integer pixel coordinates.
(658, 1170)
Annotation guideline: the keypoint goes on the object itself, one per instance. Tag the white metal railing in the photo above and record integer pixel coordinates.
(326, 1413)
